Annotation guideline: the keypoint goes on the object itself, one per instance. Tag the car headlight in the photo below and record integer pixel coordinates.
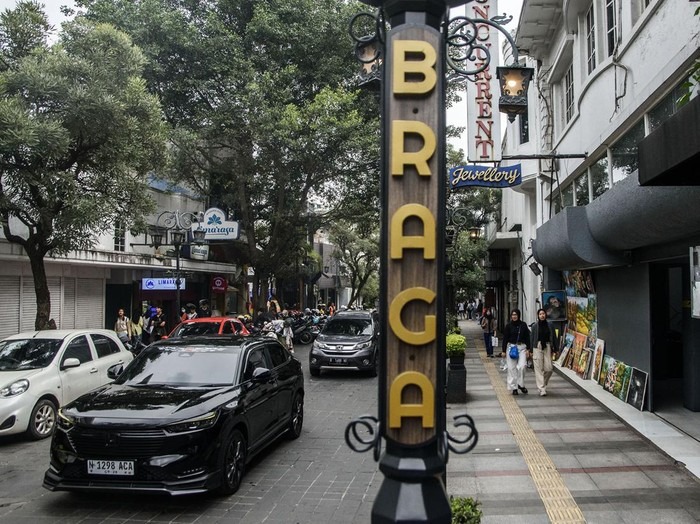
(64, 420)
(16, 388)
(194, 424)
(319, 345)
(363, 345)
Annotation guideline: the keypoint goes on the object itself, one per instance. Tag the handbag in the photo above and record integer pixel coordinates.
(494, 341)
(513, 352)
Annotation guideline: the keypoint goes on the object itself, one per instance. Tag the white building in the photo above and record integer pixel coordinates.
(603, 115)
(87, 287)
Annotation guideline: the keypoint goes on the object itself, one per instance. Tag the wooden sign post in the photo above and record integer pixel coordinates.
(411, 396)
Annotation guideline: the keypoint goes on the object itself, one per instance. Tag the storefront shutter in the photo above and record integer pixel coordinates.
(28, 308)
(9, 306)
(90, 303)
(68, 311)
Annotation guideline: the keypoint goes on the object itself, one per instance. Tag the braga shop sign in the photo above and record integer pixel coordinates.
(485, 176)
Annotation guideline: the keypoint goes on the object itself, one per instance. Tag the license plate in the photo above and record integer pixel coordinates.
(339, 361)
(110, 467)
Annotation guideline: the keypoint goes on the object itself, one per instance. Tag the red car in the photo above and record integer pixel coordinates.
(209, 326)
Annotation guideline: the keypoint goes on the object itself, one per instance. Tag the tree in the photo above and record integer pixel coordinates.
(263, 111)
(78, 135)
(359, 254)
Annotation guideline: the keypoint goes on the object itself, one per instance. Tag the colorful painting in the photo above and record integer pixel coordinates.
(554, 304)
(597, 359)
(566, 349)
(583, 363)
(611, 376)
(578, 283)
(622, 381)
(607, 360)
(637, 389)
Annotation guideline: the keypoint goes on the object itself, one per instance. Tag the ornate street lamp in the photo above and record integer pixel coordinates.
(474, 233)
(177, 223)
(514, 81)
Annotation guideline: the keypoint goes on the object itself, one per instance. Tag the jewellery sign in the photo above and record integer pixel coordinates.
(486, 176)
(413, 196)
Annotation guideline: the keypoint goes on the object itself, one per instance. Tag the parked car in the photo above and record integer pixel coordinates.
(209, 326)
(42, 370)
(350, 339)
(186, 416)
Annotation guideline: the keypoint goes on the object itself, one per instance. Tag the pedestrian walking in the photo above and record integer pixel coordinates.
(460, 309)
(203, 311)
(136, 327)
(516, 334)
(288, 334)
(122, 327)
(543, 342)
(488, 326)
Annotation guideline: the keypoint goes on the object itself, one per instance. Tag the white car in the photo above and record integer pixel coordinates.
(43, 370)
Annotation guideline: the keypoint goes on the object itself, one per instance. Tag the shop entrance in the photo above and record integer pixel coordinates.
(667, 355)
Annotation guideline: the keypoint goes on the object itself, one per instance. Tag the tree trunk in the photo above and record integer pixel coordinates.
(41, 290)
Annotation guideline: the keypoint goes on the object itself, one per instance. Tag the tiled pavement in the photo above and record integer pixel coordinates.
(613, 473)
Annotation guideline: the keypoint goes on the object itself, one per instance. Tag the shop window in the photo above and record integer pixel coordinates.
(667, 107)
(624, 153)
(590, 39)
(600, 177)
(567, 195)
(581, 189)
(611, 25)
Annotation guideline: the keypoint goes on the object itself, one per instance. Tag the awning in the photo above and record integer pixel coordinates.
(626, 217)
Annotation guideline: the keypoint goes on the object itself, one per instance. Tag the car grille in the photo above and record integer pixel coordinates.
(118, 443)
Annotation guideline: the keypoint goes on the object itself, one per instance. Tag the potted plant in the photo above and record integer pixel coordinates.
(455, 345)
(465, 510)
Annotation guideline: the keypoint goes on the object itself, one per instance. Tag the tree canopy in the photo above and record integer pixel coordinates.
(263, 109)
(79, 132)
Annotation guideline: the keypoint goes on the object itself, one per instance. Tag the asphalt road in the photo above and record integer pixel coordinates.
(314, 479)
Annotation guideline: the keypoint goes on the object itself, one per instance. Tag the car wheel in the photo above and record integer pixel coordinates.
(42, 420)
(233, 463)
(315, 372)
(296, 417)
(305, 337)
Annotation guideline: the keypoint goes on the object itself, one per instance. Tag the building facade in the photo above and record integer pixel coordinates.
(88, 287)
(609, 76)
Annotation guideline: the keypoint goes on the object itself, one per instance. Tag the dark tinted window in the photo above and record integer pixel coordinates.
(27, 353)
(183, 366)
(278, 354)
(256, 359)
(228, 328)
(104, 345)
(348, 326)
(78, 348)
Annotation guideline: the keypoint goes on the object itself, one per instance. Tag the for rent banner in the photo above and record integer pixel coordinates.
(485, 176)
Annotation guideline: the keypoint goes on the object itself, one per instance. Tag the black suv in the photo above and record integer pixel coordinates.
(350, 339)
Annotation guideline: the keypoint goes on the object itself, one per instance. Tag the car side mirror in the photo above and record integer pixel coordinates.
(70, 363)
(262, 375)
(115, 370)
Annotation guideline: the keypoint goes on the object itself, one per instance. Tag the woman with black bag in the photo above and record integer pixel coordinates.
(515, 348)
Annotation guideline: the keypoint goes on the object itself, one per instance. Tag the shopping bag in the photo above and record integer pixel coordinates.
(494, 342)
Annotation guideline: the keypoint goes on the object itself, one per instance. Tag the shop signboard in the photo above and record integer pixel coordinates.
(216, 226)
(158, 284)
(219, 284)
(485, 176)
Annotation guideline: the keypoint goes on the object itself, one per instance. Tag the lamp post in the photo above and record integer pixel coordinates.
(177, 223)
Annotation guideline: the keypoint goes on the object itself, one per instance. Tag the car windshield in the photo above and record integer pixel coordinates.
(197, 328)
(186, 366)
(28, 353)
(348, 326)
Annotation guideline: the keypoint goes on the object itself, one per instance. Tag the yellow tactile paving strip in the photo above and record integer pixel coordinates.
(558, 501)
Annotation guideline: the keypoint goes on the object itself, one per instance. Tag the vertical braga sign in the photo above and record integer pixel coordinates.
(412, 253)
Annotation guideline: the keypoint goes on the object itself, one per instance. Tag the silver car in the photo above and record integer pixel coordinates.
(42, 370)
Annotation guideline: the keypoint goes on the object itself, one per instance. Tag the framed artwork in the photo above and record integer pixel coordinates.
(554, 304)
(637, 389)
(622, 381)
(584, 361)
(611, 376)
(607, 360)
(598, 358)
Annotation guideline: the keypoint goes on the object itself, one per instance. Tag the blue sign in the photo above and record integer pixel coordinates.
(154, 284)
(485, 176)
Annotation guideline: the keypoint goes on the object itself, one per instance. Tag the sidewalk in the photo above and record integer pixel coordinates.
(566, 457)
